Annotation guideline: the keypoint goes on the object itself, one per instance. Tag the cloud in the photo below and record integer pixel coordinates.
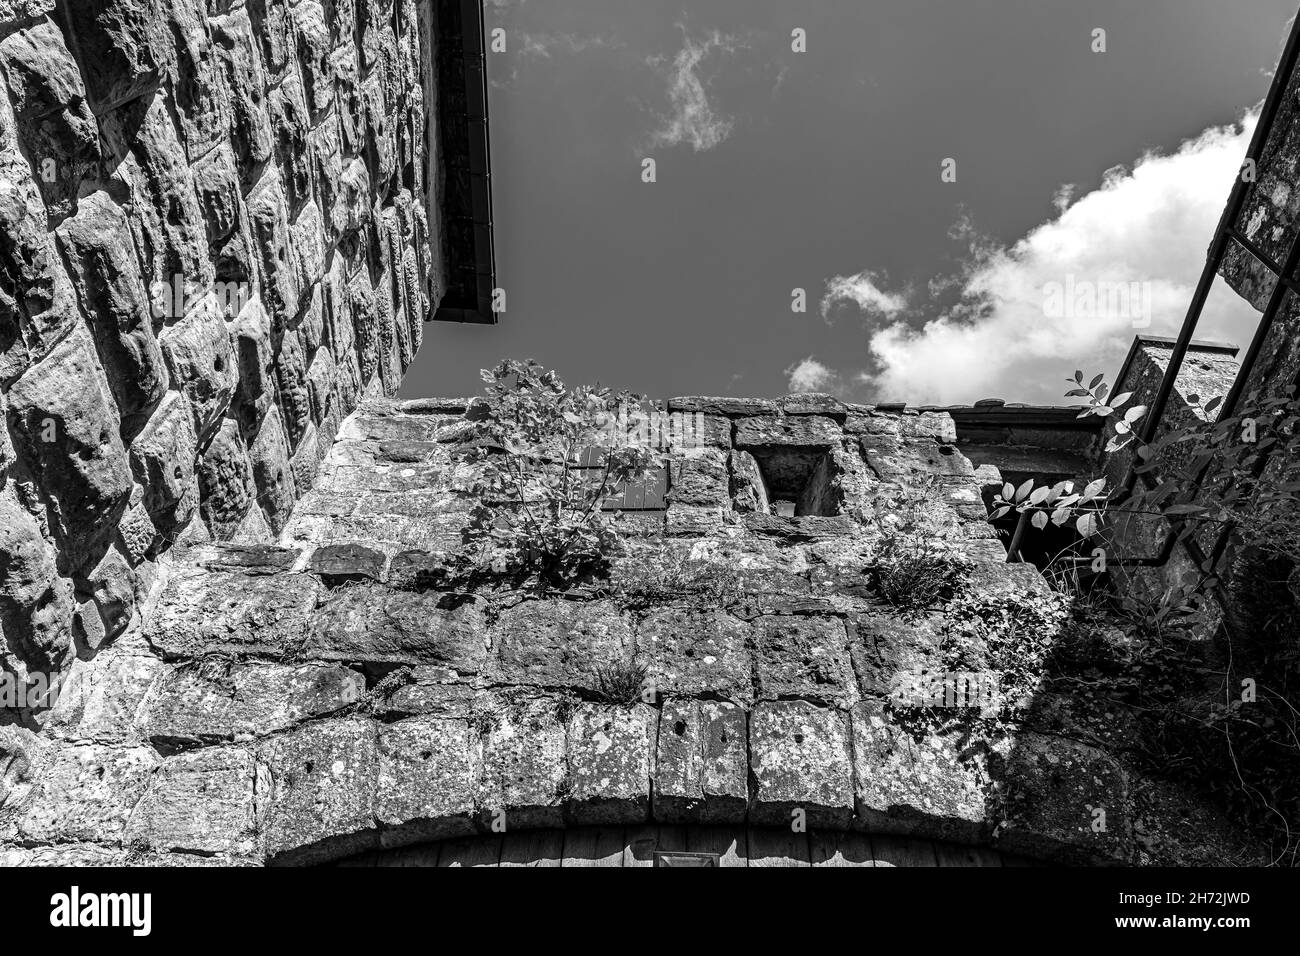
(810, 375)
(865, 292)
(543, 45)
(692, 119)
(1118, 261)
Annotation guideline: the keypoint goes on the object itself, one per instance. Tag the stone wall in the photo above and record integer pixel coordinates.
(213, 243)
(321, 698)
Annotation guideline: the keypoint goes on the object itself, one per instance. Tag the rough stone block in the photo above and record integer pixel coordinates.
(802, 431)
(215, 701)
(372, 623)
(342, 562)
(243, 614)
(428, 769)
(200, 802)
(696, 652)
(1063, 801)
(611, 751)
(322, 803)
(800, 760)
(702, 764)
(933, 785)
(65, 418)
(85, 793)
(555, 643)
(525, 774)
(733, 407)
(805, 657)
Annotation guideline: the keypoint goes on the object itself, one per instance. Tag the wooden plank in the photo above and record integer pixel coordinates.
(834, 848)
(902, 851)
(730, 843)
(532, 848)
(640, 847)
(643, 841)
(471, 851)
(594, 846)
(777, 846)
(424, 854)
(953, 854)
(371, 858)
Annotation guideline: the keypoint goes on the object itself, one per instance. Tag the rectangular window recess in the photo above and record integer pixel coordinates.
(674, 858)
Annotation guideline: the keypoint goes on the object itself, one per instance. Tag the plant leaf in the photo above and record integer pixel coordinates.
(1039, 520)
(1024, 490)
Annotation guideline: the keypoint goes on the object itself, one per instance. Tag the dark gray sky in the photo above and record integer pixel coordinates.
(779, 170)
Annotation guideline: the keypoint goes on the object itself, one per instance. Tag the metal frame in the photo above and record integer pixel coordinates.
(1284, 280)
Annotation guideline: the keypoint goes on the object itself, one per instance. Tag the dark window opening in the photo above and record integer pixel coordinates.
(799, 481)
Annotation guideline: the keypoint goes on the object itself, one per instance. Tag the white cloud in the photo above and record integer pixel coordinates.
(692, 119)
(543, 45)
(1008, 338)
(810, 375)
(863, 290)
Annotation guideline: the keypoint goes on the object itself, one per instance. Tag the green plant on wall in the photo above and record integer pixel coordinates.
(547, 460)
(1206, 471)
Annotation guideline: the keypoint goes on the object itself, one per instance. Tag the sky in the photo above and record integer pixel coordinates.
(933, 201)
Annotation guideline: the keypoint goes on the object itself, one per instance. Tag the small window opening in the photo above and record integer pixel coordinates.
(799, 481)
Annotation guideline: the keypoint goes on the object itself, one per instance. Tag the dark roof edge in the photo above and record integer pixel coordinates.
(467, 145)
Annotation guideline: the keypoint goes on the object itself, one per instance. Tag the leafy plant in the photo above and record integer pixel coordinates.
(548, 458)
(913, 569)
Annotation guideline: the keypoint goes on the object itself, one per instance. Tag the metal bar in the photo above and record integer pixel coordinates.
(1222, 235)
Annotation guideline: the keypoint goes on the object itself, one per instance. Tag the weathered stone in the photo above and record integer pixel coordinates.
(800, 761)
(322, 803)
(99, 698)
(812, 403)
(933, 785)
(560, 643)
(734, 407)
(225, 480)
(242, 614)
(702, 766)
(371, 623)
(748, 490)
(342, 562)
(201, 802)
(67, 424)
(201, 359)
(85, 793)
(162, 458)
(696, 652)
(428, 769)
(699, 478)
(218, 701)
(805, 657)
(802, 431)
(1063, 801)
(525, 774)
(121, 46)
(610, 750)
(55, 124)
(35, 603)
(913, 459)
(269, 457)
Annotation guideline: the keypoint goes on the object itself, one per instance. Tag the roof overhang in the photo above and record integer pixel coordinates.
(467, 163)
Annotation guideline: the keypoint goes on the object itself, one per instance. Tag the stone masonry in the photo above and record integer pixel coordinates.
(316, 699)
(214, 242)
